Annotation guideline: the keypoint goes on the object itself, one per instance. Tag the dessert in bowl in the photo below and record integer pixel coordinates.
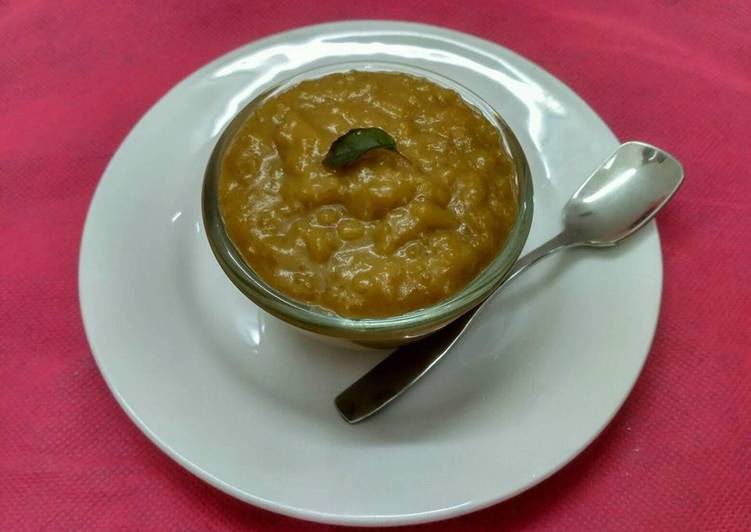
(388, 244)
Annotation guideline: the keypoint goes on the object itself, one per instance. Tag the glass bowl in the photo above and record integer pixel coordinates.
(375, 332)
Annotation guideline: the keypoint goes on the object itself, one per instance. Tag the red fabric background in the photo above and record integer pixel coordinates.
(74, 78)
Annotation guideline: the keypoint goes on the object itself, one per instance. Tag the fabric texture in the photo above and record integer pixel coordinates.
(74, 78)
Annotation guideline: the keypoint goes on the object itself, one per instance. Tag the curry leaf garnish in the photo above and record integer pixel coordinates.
(355, 143)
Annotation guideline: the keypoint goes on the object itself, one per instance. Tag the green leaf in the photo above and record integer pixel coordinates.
(354, 143)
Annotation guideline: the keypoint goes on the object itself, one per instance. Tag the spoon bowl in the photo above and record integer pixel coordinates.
(622, 195)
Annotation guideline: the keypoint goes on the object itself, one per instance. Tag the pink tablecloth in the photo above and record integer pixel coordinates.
(74, 78)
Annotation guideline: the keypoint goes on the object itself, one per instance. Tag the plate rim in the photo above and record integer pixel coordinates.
(375, 26)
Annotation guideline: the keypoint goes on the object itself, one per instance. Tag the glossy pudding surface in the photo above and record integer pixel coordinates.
(387, 234)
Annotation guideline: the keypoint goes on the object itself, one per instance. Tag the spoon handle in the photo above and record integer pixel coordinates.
(560, 241)
(407, 364)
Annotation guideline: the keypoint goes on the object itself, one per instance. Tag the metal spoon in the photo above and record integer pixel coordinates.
(622, 195)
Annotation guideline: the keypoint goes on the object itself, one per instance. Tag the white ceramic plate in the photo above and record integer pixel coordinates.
(246, 402)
